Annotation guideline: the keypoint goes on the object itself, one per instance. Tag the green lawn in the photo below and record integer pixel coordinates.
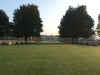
(49, 60)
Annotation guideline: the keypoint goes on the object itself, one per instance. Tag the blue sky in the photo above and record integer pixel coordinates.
(51, 11)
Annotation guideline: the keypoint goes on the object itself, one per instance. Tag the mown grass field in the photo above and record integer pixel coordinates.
(49, 60)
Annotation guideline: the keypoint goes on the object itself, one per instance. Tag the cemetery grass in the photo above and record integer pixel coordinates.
(64, 59)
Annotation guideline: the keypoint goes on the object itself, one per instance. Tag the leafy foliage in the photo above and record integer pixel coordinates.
(4, 23)
(27, 21)
(98, 26)
(76, 23)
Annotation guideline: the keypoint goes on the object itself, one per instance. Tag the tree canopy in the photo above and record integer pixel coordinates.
(4, 23)
(98, 25)
(76, 23)
(27, 21)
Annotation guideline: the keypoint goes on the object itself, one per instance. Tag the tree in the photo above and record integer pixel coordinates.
(4, 23)
(27, 21)
(76, 23)
(98, 26)
(11, 29)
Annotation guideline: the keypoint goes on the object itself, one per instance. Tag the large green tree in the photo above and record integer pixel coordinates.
(98, 26)
(76, 23)
(27, 21)
(4, 23)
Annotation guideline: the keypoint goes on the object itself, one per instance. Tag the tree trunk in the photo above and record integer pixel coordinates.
(72, 40)
(26, 38)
